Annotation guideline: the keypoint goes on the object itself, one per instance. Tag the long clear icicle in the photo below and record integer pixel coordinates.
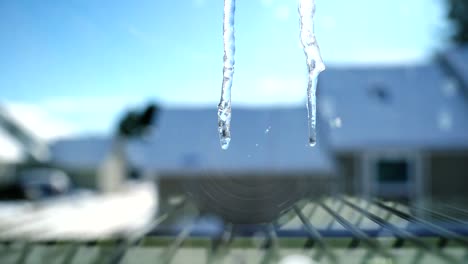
(224, 107)
(314, 61)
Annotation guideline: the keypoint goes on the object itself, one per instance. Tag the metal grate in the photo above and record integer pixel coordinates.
(331, 230)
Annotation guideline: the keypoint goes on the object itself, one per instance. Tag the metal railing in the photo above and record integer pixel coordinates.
(325, 230)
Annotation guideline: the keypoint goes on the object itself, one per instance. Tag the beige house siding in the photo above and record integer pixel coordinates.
(347, 167)
(449, 175)
(445, 175)
(83, 177)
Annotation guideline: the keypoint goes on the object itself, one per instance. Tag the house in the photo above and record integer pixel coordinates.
(24, 172)
(265, 142)
(18, 142)
(404, 130)
(268, 157)
(17, 146)
(10, 153)
(399, 132)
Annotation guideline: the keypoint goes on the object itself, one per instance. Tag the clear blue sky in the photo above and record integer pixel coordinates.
(81, 62)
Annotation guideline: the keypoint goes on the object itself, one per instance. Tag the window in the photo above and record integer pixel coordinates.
(392, 171)
(392, 174)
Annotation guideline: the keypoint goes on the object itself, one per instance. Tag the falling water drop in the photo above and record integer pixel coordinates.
(314, 62)
(224, 106)
(336, 122)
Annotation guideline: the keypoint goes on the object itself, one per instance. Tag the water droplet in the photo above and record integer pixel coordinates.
(450, 87)
(268, 130)
(336, 122)
(225, 142)
(312, 142)
(444, 120)
(224, 124)
(256, 145)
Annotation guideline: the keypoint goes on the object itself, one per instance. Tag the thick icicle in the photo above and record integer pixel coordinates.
(224, 107)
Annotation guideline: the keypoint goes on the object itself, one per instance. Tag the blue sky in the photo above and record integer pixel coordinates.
(75, 65)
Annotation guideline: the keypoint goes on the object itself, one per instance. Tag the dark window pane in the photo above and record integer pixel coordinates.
(392, 171)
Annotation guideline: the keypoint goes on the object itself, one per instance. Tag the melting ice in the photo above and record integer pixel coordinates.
(313, 59)
(314, 62)
(224, 106)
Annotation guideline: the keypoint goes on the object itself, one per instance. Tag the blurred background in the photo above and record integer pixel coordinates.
(108, 120)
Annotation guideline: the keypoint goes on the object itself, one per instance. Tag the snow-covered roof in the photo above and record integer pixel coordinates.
(10, 149)
(15, 137)
(263, 140)
(417, 107)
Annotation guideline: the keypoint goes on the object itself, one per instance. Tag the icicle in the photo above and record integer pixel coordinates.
(224, 107)
(314, 62)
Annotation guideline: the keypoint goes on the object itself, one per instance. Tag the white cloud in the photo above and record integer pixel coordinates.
(375, 56)
(266, 3)
(94, 114)
(272, 85)
(88, 105)
(38, 121)
(272, 90)
(327, 22)
(282, 12)
(199, 3)
(58, 117)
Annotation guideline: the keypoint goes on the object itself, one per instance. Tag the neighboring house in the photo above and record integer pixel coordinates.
(404, 130)
(186, 144)
(10, 150)
(82, 157)
(17, 146)
(455, 64)
(400, 132)
(10, 154)
(264, 142)
(15, 131)
(451, 163)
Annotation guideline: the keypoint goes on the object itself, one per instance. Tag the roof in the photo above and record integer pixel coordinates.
(263, 141)
(80, 152)
(15, 138)
(411, 108)
(414, 107)
(10, 149)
